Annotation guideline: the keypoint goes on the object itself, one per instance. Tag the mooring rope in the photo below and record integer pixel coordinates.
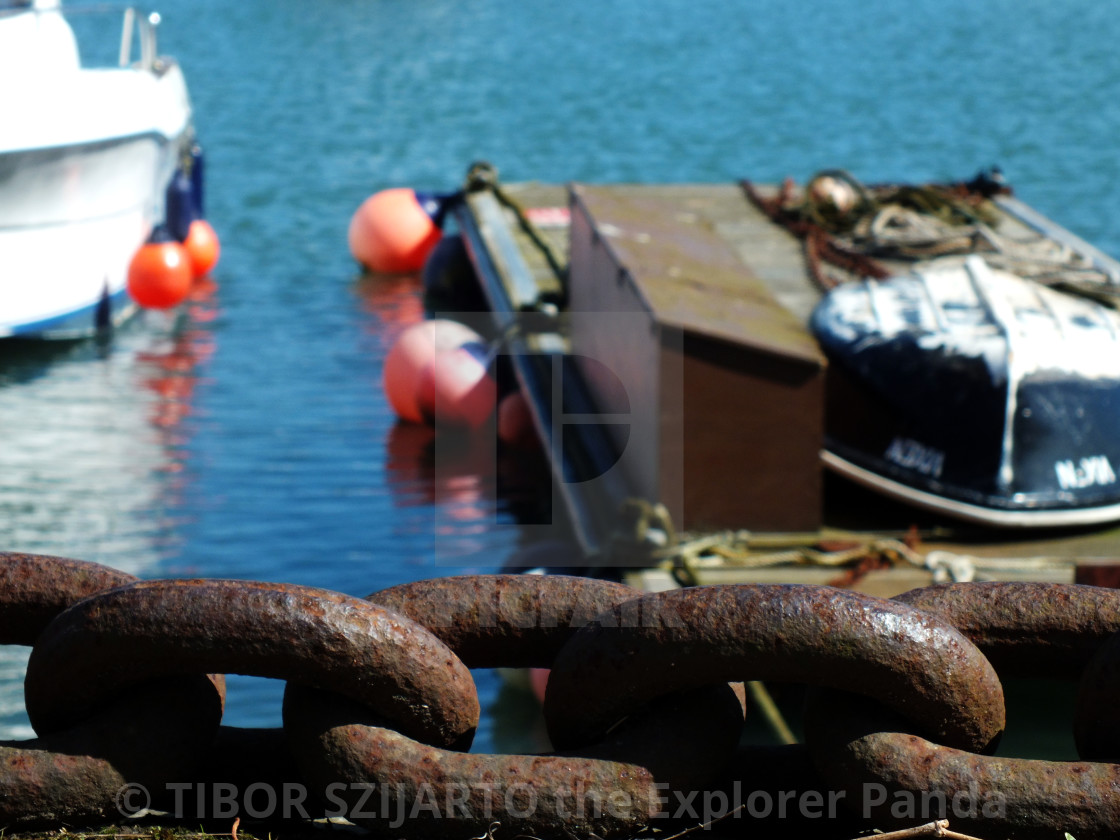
(483, 176)
(846, 224)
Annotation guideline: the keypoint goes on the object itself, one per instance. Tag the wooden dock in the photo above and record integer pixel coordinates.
(519, 235)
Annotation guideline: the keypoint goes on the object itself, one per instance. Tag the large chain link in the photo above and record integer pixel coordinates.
(515, 621)
(915, 662)
(149, 737)
(380, 697)
(610, 787)
(1025, 629)
(324, 639)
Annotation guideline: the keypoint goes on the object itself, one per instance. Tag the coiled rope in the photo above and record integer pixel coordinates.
(851, 226)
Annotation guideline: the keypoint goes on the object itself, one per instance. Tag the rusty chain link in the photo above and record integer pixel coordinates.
(609, 789)
(515, 621)
(149, 737)
(1025, 629)
(324, 639)
(34, 588)
(1065, 631)
(380, 698)
(643, 648)
(870, 754)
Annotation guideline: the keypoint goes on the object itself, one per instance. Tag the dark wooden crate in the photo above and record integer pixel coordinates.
(722, 388)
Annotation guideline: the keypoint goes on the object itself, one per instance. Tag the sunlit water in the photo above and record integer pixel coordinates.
(250, 438)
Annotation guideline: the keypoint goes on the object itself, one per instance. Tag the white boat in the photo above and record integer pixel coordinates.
(87, 152)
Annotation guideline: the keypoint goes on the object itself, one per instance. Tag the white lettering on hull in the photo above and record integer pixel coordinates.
(1094, 471)
(916, 456)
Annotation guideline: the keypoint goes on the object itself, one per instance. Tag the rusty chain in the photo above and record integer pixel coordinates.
(517, 621)
(1024, 629)
(667, 641)
(150, 737)
(643, 699)
(34, 588)
(871, 756)
(147, 629)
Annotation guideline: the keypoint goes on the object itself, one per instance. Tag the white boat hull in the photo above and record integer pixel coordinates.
(70, 221)
(82, 184)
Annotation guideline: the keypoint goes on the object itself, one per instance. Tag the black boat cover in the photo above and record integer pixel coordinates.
(976, 393)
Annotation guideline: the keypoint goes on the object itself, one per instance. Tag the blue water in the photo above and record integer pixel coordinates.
(250, 438)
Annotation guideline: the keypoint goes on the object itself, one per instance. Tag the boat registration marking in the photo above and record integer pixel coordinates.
(1088, 472)
(916, 456)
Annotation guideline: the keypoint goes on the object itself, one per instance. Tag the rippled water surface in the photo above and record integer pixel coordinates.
(250, 438)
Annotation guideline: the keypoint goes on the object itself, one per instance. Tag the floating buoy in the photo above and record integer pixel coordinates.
(392, 232)
(203, 248)
(413, 352)
(159, 276)
(457, 389)
(515, 423)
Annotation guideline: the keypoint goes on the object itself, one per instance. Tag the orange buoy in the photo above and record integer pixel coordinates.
(159, 276)
(457, 389)
(515, 423)
(392, 233)
(412, 353)
(203, 248)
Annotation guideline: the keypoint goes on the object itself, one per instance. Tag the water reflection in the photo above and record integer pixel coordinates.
(473, 486)
(93, 453)
(83, 451)
(392, 302)
(164, 454)
(451, 479)
(170, 370)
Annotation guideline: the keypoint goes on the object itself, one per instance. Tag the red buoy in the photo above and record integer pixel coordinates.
(412, 353)
(392, 233)
(203, 248)
(461, 391)
(159, 276)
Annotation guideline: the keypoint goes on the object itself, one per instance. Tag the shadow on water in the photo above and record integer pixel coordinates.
(24, 359)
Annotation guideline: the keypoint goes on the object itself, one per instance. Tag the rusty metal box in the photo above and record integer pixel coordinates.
(716, 390)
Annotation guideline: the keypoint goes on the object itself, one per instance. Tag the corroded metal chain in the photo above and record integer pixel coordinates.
(73, 773)
(1035, 629)
(149, 629)
(644, 700)
(608, 786)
